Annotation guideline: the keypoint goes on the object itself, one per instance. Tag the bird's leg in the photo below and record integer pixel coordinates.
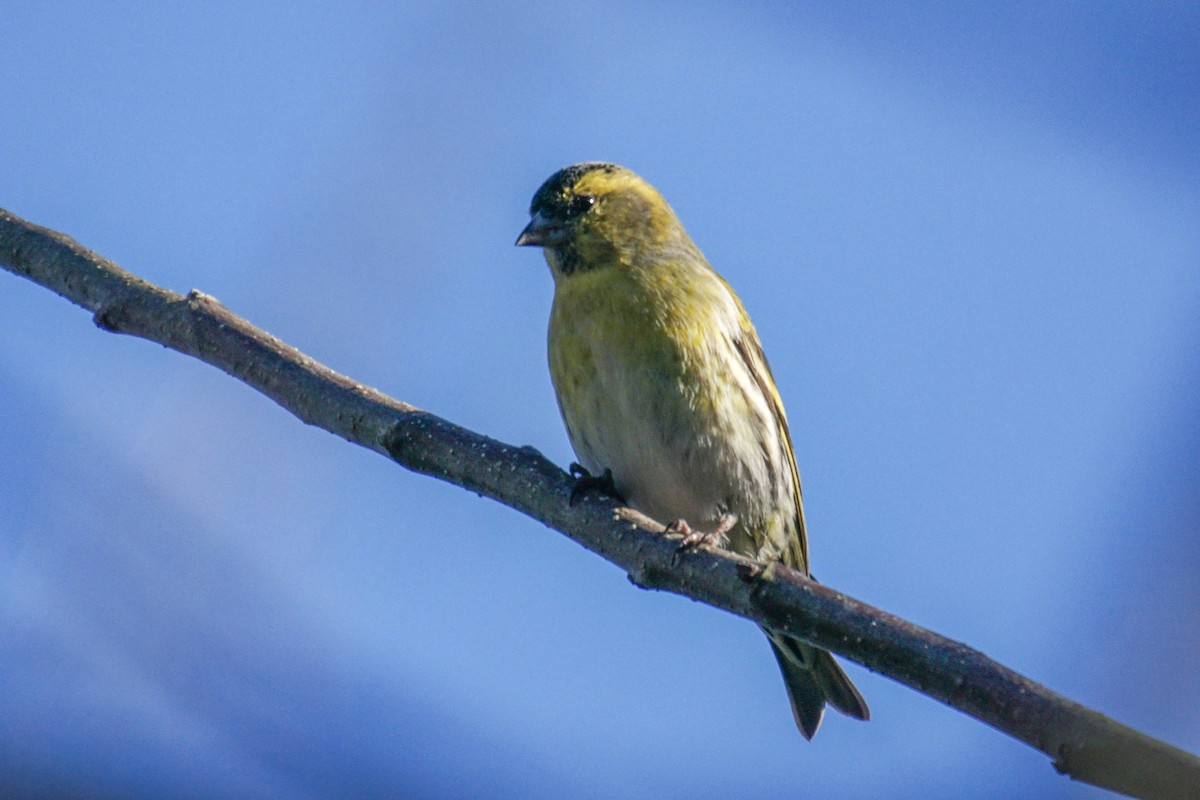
(694, 538)
(587, 482)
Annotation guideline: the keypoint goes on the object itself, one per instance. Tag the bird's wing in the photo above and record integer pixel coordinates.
(751, 351)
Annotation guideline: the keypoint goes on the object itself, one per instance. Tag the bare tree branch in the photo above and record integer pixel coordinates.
(1083, 744)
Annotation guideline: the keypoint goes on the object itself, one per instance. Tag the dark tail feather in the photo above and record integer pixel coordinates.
(813, 679)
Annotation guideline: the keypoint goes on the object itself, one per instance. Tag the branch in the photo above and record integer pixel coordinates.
(1083, 744)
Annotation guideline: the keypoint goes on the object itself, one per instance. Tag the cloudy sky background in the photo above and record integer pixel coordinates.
(968, 237)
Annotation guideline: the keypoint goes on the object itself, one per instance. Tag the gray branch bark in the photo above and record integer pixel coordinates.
(1083, 744)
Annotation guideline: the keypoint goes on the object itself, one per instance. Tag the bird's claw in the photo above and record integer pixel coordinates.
(693, 538)
(587, 482)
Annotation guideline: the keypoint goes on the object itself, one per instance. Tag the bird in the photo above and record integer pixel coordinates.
(666, 394)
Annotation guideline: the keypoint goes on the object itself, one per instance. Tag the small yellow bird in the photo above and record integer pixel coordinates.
(663, 386)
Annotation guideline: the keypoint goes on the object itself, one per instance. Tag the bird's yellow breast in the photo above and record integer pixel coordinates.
(617, 332)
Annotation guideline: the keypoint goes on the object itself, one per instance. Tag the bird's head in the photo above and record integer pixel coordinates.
(595, 214)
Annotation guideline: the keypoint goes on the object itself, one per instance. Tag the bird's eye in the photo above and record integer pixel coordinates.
(579, 204)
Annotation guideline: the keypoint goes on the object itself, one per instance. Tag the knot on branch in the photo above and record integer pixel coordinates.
(104, 320)
(407, 441)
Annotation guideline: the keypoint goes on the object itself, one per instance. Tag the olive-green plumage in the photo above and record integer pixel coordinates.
(661, 379)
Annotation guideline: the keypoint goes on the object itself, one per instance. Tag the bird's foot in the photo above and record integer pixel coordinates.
(587, 482)
(693, 538)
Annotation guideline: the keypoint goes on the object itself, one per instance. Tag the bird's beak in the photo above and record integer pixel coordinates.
(540, 232)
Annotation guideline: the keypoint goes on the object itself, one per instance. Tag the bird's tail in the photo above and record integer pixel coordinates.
(813, 679)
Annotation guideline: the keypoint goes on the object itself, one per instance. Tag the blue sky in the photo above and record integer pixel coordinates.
(968, 238)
